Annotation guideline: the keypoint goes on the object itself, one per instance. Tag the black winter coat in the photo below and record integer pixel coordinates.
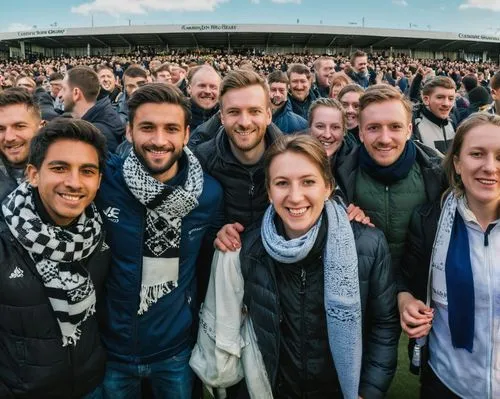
(33, 362)
(104, 117)
(200, 115)
(7, 182)
(245, 194)
(381, 328)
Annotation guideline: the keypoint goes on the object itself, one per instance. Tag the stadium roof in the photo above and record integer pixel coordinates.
(247, 35)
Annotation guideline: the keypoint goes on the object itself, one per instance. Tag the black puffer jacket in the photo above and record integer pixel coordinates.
(33, 362)
(200, 115)
(7, 182)
(205, 132)
(103, 116)
(381, 328)
(245, 195)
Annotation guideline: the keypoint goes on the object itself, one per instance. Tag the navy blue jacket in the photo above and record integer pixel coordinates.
(168, 326)
(103, 116)
(287, 120)
(301, 108)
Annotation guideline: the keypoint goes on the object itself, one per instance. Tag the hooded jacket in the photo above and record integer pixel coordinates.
(287, 120)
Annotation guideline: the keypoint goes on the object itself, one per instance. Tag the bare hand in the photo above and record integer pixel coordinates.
(357, 214)
(415, 316)
(228, 237)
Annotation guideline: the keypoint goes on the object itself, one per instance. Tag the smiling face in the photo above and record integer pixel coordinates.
(440, 101)
(300, 85)
(18, 125)
(384, 129)
(106, 79)
(350, 102)
(67, 179)
(326, 69)
(297, 191)
(478, 165)
(159, 134)
(245, 114)
(204, 88)
(328, 127)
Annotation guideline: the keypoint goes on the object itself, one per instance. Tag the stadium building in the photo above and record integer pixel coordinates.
(314, 39)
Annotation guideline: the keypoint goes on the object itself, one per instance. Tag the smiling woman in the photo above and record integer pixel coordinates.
(303, 281)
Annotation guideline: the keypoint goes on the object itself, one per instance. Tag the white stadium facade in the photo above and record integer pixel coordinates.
(315, 39)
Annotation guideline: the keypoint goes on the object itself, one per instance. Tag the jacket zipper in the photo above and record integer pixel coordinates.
(387, 210)
(251, 192)
(302, 292)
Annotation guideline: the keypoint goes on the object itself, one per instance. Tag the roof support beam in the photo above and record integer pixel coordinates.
(332, 41)
(380, 42)
(55, 41)
(229, 42)
(125, 40)
(195, 40)
(160, 39)
(448, 45)
(422, 42)
(99, 41)
(308, 41)
(268, 39)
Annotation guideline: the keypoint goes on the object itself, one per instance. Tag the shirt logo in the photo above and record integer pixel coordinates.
(112, 214)
(17, 273)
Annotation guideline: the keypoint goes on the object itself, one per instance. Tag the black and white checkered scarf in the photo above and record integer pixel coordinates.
(56, 252)
(166, 206)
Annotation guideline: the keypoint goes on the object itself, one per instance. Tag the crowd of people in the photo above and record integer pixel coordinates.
(259, 226)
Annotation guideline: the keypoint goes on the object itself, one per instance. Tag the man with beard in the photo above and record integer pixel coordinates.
(55, 82)
(178, 74)
(234, 155)
(389, 174)
(432, 124)
(324, 67)
(134, 77)
(359, 70)
(283, 116)
(19, 122)
(107, 81)
(203, 88)
(349, 98)
(160, 189)
(301, 94)
(79, 92)
(53, 263)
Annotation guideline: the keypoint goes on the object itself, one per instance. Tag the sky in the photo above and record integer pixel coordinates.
(470, 16)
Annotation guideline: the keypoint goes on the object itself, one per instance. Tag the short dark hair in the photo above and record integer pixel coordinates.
(158, 93)
(165, 67)
(438, 81)
(103, 67)
(135, 71)
(86, 80)
(277, 77)
(63, 128)
(56, 76)
(357, 54)
(19, 95)
(299, 69)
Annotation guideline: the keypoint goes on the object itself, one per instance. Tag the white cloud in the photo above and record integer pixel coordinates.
(115, 7)
(17, 26)
(402, 3)
(286, 1)
(492, 5)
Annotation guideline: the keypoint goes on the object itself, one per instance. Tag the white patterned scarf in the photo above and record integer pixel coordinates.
(57, 252)
(166, 206)
(342, 297)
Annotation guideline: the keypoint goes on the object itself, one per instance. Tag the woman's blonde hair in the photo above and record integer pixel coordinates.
(329, 103)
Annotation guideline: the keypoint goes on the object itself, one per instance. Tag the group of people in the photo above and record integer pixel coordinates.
(263, 236)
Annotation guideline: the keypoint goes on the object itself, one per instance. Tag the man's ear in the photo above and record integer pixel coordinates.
(32, 175)
(425, 100)
(128, 133)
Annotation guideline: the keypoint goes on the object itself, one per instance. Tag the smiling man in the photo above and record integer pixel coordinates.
(158, 206)
(203, 89)
(433, 126)
(238, 147)
(19, 122)
(53, 264)
(301, 93)
(389, 174)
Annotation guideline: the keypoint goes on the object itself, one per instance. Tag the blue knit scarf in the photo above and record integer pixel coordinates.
(342, 299)
(452, 279)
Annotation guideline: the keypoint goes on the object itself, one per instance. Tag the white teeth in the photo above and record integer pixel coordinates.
(70, 197)
(158, 152)
(244, 133)
(297, 212)
(488, 182)
(326, 144)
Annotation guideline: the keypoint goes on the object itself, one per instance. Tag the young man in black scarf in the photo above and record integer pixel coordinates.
(53, 264)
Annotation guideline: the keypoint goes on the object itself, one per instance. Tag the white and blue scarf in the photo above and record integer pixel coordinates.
(342, 298)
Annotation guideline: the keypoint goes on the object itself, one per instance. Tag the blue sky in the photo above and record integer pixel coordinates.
(472, 16)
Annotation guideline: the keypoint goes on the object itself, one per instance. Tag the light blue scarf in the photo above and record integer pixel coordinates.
(342, 300)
